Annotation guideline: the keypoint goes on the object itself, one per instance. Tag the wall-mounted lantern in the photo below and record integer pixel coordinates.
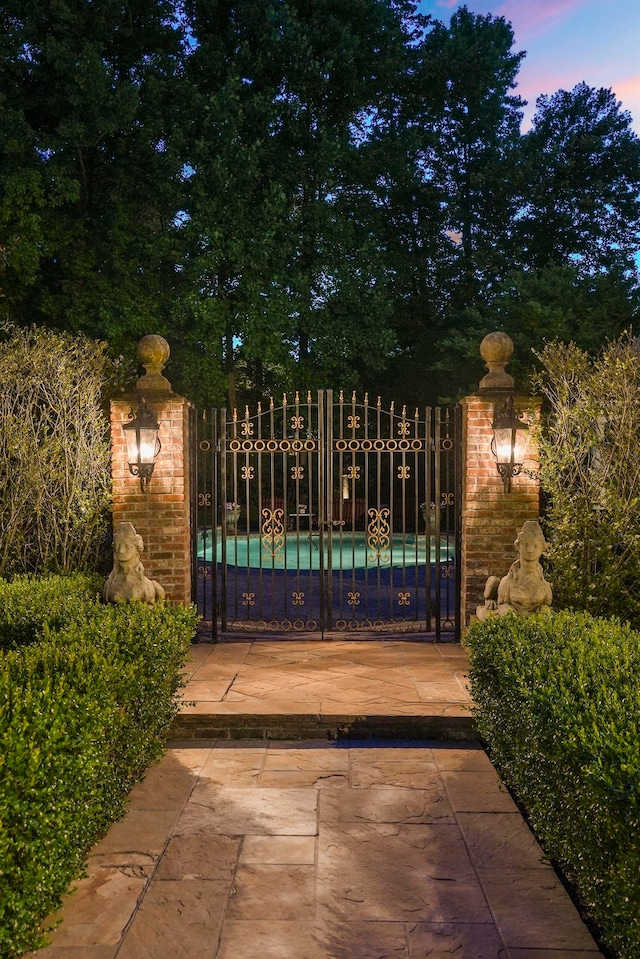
(508, 443)
(143, 444)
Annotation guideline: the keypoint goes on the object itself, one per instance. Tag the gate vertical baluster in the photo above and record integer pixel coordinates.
(335, 507)
(235, 499)
(392, 511)
(437, 498)
(325, 467)
(365, 573)
(212, 457)
(416, 527)
(403, 509)
(259, 480)
(378, 505)
(428, 480)
(351, 472)
(221, 506)
(247, 432)
(272, 473)
(295, 429)
(312, 500)
(285, 475)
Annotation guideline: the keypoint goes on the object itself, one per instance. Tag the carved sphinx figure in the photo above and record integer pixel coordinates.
(126, 581)
(524, 590)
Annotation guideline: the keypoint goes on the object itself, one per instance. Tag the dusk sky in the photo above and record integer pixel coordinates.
(567, 41)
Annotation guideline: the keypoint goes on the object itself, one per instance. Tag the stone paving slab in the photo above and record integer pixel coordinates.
(338, 689)
(399, 849)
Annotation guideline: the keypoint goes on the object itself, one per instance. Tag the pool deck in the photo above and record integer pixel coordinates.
(335, 847)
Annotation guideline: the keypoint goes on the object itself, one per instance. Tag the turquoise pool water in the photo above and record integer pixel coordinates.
(303, 552)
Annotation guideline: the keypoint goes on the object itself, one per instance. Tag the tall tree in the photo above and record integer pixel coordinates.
(88, 174)
(300, 194)
(459, 124)
(580, 183)
(284, 268)
(474, 67)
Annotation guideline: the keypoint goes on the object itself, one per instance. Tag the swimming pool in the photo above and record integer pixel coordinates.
(302, 551)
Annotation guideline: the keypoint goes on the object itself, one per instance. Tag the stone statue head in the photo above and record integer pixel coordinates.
(127, 544)
(530, 541)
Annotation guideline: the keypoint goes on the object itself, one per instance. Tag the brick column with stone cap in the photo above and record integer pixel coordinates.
(491, 517)
(162, 516)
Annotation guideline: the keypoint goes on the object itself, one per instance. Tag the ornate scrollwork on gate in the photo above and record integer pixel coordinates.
(379, 534)
(273, 534)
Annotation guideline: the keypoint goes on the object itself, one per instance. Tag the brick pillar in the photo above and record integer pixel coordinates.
(162, 516)
(491, 517)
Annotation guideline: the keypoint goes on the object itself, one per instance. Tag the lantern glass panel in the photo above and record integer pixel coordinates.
(503, 439)
(519, 445)
(131, 434)
(148, 444)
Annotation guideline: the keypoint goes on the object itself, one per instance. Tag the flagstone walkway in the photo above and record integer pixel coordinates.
(260, 848)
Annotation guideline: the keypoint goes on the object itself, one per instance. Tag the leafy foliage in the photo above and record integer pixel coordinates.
(590, 474)
(83, 711)
(580, 136)
(28, 602)
(89, 170)
(54, 450)
(305, 194)
(558, 703)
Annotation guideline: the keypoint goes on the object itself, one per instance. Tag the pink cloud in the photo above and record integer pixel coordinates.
(627, 88)
(532, 83)
(529, 17)
(532, 19)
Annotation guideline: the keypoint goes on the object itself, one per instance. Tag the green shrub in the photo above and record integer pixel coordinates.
(558, 703)
(28, 602)
(84, 710)
(55, 486)
(589, 468)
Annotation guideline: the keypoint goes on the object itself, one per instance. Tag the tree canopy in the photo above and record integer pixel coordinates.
(306, 194)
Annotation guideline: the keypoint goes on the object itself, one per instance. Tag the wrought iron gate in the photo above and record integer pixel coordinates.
(327, 515)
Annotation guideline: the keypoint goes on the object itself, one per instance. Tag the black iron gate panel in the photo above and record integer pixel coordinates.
(328, 515)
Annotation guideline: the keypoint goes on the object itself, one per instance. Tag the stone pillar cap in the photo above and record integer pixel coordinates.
(496, 350)
(153, 352)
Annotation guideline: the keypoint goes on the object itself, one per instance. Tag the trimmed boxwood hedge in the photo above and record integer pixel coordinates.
(558, 704)
(87, 694)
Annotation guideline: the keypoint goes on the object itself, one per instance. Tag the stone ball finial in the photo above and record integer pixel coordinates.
(496, 350)
(153, 352)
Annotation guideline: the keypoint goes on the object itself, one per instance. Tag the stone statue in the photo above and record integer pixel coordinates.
(524, 590)
(126, 580)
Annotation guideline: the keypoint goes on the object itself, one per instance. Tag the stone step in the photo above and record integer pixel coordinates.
(305, 726)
